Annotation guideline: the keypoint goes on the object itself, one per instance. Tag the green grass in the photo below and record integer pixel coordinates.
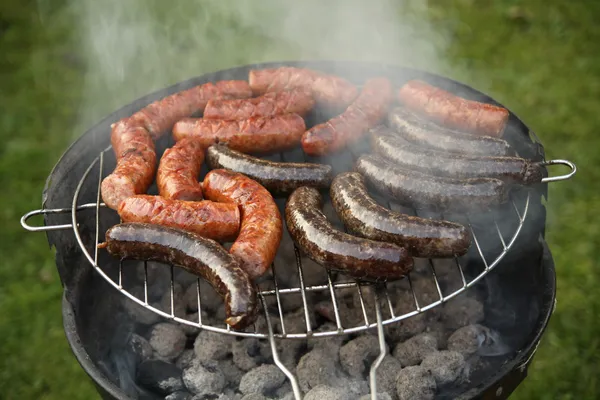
(540, 58)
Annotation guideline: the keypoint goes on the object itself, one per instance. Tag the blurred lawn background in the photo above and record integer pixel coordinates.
(64, 66)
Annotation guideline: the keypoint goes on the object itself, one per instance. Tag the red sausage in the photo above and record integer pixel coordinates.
(328, 89)
(454, 112)
(296, 101)
(261, 228)
(178, 170)
(217, 221)
(369, 108)
(254, 135)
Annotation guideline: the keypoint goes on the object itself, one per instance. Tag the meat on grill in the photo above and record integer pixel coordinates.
(178, 170)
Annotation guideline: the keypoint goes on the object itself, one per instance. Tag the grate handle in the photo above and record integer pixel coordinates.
(560, 177)
(46, 211)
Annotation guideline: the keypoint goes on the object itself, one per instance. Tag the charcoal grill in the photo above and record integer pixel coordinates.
(71, 202)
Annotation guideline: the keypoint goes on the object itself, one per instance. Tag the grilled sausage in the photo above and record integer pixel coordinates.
(326, 89)
(425, 133)
(254, 135)
(366, 111)
(136, 164)
(419, 190)
(217, 221)
(197, 255)
(277, 177)
(178, 170)
(357, 257)
(453, 165)
(261, 228)
(452, 111)
(422, 237)
(297, 101)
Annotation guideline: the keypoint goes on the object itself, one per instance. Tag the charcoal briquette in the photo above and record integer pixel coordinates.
(415, 383)
(316, 368)
(445, 366)
(248, 353)
(254, 396)
(380, 396)
(386, 374)
(167, 340)
(468, 339)
(212, 345)
(232, 373)
(357, 355)
(140, 347)
(412, 351)
(324, 392)
(204, 377)
(179, 395)
(160, 376)
(462, 311)
(185, 359)
(262, 379)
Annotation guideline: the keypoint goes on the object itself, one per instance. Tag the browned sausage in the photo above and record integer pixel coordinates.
(217, 221)
(136, 163)
(297, 101)
(369, 108)
(327, 89)
(254, 135)
(261, 228)
(177, 176)
(452, 111)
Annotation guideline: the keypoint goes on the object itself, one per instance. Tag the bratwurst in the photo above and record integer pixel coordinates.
(178, 170)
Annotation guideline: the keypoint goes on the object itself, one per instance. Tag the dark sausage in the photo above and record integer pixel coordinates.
(277, 177)
(421, 236)
(369, 108)
(425, 133)
(197, 255)
(178, 170)
(326, 89)
(455, 112)
(136, 165)
(357, 257)
(419, 190)
(296, 101)
(254, 135)
(261, 228)
(217, 221)
(453, 165)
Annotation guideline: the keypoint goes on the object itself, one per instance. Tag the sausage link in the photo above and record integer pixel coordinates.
(277, 177)
(254, 135)
(261, 227)
(357, 257)
(422, 237)
(419, 190)
(327, 89)
(424, 133)
(217, 221)
(455, 112)
(453, 165)
(197, 255)
(178, 170)
(369, 108)
(297, 101)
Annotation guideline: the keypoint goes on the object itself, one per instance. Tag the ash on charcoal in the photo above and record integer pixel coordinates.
(179, 306)
(415, 383)
(140, 347)
(317, 368)
(445, 366)
(329, 343)
(288, 396)
(438, 330)
(354, 387)
(476, 338)
(380, 396)
(248, 353)
(254, 396)
(179, 395)
(212, 345)
(282, 391)
(161, 376)
(209, 299)
(386, 374)
(233, 375)
(204, 377)
(262, 379)
(139, 313)
(462, 311)
(426, 291)
(192, 330)
(289, 352)
(357, 355)
(415, 349)
(167, 340)
(185, 359)
(324, 392)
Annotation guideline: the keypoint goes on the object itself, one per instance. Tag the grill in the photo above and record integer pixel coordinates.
(500, 238)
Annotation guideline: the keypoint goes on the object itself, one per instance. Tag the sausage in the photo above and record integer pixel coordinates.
(297, 101)
(160, 116)
(217, 221)
(198, 255)
(327, 89)
(424, 133)
(455, 112)
(419, 190)
(422, 237)
(261, 226)
(453, 165)
(254, 135)
(354, 256)
(136, 165)
(277, 177)
(369, 108)
(178, 170)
